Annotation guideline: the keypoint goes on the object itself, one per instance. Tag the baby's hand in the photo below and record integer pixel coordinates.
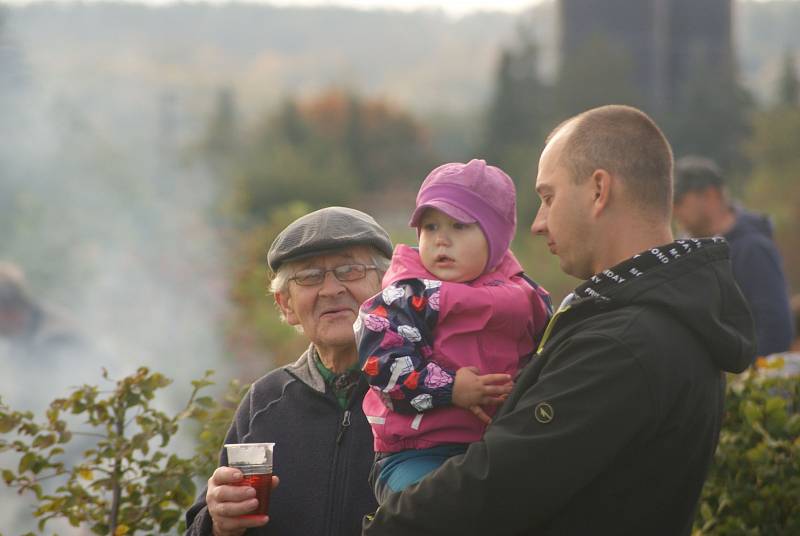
(471, 391)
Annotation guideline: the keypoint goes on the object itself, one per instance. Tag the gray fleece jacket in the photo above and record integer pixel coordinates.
(323, 454)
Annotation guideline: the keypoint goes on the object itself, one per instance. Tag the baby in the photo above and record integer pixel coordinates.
(455, 321)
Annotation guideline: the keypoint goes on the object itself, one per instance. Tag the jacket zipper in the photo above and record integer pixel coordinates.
(337, 498)
(343, 426)
(333, 523)
(549, 328)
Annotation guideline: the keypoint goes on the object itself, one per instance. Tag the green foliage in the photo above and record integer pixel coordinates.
(521, 109)
(214, 419)
(754, 484)
(127, 481)
(323, 151)
(711, 118)
(288, 161)
(255, 329)
(788, 85)
(221, 142)
(776, 159)
(519, 117)
(773, 187)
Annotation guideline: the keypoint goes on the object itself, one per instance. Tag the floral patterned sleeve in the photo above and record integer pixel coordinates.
(394, 333)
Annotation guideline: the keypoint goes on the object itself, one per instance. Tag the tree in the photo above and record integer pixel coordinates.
(326, 150)
(519, 116)
(774, 185)
(385, 145)
(598, 72)
(711, 118)
(788, 85)
(222, 137)
(13, 120)
(521, 108)
(255, 334)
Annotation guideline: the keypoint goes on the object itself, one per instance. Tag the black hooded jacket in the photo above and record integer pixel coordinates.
(612, 427)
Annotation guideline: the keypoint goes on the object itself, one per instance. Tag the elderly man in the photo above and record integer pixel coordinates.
(612, 427)
(326, 264)
(703, 208)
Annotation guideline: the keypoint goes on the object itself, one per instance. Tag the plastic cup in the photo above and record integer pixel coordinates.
(254, 460)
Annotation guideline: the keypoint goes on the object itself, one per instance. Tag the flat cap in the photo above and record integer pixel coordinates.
(324, 230)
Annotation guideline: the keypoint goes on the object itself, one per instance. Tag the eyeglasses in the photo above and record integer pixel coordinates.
(346, 272)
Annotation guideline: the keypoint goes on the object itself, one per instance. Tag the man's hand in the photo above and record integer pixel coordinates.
(471, 391)
(227, 502)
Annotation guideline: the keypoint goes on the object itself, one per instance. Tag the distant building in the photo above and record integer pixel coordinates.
(668, 40)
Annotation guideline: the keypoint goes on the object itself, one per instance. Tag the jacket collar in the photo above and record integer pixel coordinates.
(306, 371)
(603, 283)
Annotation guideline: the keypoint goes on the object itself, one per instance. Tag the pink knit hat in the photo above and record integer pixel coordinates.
(473, 192)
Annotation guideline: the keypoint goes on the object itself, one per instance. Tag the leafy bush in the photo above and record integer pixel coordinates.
(754, 484)
(126, 481)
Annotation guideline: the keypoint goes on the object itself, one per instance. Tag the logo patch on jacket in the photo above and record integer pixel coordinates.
(543, 412)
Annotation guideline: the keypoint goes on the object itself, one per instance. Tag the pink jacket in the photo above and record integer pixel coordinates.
(415, 334)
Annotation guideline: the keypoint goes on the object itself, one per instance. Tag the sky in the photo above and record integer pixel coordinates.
(454, 7)
(450, 6)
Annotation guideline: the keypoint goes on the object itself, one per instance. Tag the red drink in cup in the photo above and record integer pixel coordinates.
(254, 460)
(262, 483)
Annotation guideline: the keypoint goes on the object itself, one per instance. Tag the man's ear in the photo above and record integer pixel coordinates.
(601, 183)
(284, 301)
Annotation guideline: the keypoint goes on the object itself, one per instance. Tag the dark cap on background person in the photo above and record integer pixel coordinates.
(696, 173)
(325, 230)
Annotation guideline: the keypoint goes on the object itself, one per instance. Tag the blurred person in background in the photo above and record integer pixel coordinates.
(325, 265)
(29, 328)
(41, 353)
(703, 208)
(37, 342)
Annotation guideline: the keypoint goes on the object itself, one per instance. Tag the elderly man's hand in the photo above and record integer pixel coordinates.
(227, 502)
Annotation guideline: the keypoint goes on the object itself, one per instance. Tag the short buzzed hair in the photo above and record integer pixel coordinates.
(627, 143)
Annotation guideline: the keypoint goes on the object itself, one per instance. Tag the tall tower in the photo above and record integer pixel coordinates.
(667, 40)
(700, 38)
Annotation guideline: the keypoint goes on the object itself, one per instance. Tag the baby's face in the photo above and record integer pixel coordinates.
(450, 250)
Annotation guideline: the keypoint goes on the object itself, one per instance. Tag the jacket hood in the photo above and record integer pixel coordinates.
(406, 264)
(692, 281)
(749, 222)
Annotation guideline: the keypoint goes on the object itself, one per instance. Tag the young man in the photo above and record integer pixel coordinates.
(612, 427)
